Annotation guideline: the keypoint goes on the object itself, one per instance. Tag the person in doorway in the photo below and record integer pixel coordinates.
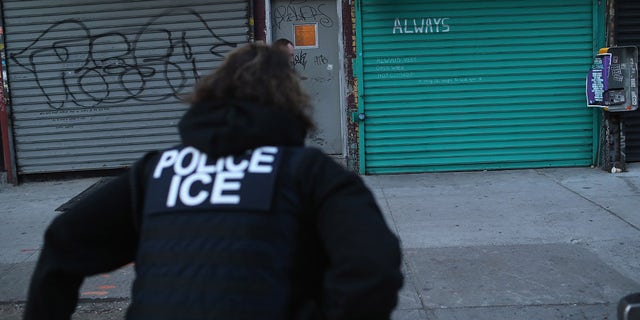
(238, 221)
(287, 46)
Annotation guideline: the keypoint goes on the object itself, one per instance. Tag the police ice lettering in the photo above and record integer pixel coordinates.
(194, 181)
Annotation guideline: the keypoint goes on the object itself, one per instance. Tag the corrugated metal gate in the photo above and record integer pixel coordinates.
(627, 33)
(469, 85)
(95, 84)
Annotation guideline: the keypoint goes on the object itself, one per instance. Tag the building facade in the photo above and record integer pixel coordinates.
(399, 86)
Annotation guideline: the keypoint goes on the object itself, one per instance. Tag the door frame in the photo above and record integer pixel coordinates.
(342, 73)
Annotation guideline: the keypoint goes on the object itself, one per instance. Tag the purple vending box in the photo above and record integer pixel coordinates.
(598, 80)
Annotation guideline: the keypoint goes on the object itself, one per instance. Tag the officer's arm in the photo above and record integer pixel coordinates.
(364, 276)
(95, 236)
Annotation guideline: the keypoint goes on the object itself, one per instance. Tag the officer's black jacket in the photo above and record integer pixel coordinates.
(334, 256)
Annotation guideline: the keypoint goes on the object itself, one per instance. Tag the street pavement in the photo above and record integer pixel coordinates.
(555, 243)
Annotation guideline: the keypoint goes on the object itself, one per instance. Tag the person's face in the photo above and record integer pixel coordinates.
(289, 50)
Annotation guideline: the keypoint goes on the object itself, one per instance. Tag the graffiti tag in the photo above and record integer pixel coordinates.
(151, 63)
(297, 11)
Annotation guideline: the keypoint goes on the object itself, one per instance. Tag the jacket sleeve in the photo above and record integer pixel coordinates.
(96, 235)
(364, 272)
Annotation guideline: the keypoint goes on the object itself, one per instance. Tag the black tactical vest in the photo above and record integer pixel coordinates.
(217, 238)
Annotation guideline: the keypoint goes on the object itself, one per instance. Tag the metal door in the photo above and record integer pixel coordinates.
(627, 33)
(314, 27)
(97, 83)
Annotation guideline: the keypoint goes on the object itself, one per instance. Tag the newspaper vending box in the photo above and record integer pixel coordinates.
(612, 82)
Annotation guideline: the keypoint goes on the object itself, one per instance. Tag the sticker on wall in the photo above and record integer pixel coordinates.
(305, 35)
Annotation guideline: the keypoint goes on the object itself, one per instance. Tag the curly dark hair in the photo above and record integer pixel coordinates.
(282, 42)
(260, 74)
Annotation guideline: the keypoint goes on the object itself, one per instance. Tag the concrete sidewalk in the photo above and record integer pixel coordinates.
(560, 243)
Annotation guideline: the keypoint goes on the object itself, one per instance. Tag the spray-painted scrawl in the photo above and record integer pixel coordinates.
(72, 64)
(421, 25)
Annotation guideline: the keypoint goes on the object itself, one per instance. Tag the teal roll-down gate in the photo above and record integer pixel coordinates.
(474, 85)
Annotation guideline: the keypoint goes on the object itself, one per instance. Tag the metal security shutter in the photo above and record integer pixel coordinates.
(95, 84)
(469, 85)
(627, 33)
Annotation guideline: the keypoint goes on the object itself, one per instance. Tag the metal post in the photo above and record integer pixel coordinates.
(5, 117)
